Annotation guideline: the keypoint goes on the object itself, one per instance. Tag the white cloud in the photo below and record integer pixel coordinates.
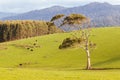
(27, 5)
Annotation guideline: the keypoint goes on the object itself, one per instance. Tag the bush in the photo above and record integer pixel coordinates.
(69, 42)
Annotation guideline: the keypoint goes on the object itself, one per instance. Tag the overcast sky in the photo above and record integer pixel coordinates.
(20, 6)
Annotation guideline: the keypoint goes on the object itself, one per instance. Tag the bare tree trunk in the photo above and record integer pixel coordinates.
(88, 60)
(88, 52)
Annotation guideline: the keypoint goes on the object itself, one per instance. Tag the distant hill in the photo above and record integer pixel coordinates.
(43, 14)
(101, 14)
(3, 14)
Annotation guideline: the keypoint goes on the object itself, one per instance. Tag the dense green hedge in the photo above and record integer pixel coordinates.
(18, 29)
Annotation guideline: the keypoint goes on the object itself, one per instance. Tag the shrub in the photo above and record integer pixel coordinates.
(69, 42)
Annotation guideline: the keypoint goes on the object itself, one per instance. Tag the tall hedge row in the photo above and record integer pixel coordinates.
(12, 30)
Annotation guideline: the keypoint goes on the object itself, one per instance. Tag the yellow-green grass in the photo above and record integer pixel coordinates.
(105, 55)
(37, 74)
(48, 62)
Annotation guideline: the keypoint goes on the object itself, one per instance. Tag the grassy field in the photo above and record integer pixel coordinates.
(40, 59)
(37, 74)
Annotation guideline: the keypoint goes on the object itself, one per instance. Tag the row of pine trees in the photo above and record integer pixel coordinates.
(18, 29)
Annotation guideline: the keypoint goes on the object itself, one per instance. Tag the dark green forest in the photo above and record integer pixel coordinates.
(19, 29)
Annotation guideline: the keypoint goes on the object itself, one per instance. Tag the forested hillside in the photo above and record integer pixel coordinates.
(12, 30)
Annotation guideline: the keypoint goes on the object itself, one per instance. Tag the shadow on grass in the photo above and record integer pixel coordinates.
(107, 61)
(93, 69)
(104, 69)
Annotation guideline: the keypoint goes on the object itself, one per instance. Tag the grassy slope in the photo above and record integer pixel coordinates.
(106, 54)
(48, 56)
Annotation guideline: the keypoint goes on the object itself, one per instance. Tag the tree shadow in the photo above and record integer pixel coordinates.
(107, 61)
(104, 69)
(93, 69)
(112, 60)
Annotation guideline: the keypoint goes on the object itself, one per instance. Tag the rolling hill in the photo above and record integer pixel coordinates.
(101, 14)
(22, 60)
(44, 14)
(45, 52)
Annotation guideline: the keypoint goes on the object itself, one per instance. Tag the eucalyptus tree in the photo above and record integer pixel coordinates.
(82, 24)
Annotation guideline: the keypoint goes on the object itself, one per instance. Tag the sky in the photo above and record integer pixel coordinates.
(20, 6)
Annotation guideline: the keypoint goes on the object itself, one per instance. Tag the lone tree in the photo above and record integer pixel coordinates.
(82, 24)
